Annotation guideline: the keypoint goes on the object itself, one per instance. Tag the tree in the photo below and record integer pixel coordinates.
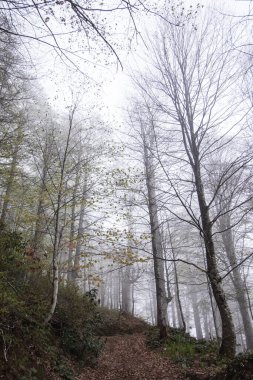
(57, 214)
(145, 131)
(190, 84)
(225, 203)
(57, 21)
(13, 90)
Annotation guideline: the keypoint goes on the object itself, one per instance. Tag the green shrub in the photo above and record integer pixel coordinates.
(153, 338)
(184, 349)
(180, 352)
(63, 370)
(32, 349)
(75, 322)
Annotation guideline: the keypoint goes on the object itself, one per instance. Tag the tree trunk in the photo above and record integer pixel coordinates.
(72, 230)
(173, 313)
(228, 340)
(57, 231)
(55, 292)
(126, 290)
(157, 249)
(37, 239)
(75, 273)
(228, 242)
(196, 315)
(40, 224)
(180, 314)
(11, 177)
(206, 326)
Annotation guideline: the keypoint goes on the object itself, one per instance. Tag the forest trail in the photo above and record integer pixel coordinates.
(127, 357)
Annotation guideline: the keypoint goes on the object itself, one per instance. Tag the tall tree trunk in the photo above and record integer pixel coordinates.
(180, 314)
(133, 300)
(102, 294)
(57, 230)
(178, 304)
(11, 176)
(152, 304)
(157, 249)
(126, 290)
(241, 297)
(55, 263)
(209, 290)
(173, 312)
(75, 272)
(228, 342)
(206, 325)
(72, 230)
(39, 225)
(196, 314)
(169, 294)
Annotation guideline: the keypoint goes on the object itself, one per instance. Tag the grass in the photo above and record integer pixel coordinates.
(184, 349)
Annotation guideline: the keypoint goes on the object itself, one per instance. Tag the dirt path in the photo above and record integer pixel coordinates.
(126, 357)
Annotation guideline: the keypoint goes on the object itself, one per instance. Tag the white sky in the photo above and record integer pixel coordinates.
(119, 88)
(108, 85)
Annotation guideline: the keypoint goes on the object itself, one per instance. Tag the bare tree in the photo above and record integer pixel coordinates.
(57, 215)
(54, 23)
(225, 203)
(190, 83)
(147, 146)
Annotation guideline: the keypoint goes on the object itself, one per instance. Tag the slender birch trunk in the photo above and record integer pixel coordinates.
(57, 230)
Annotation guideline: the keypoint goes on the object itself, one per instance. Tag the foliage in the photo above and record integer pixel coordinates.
(153, 338)
(200, 357)
(75, 322)
(239, 368)
(23, 338)
(63, 370)
(29, 350)
(184, 349)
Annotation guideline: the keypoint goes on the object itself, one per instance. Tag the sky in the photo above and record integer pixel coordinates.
(104, 85)
(117, 90)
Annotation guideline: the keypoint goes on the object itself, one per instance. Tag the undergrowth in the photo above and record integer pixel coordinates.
(116, 322)
(184, 349)
(200, 359)
(29, 350)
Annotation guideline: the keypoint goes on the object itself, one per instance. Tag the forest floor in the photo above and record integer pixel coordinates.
(127, 357)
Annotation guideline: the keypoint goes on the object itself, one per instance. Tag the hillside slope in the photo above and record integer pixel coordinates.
(126, 357)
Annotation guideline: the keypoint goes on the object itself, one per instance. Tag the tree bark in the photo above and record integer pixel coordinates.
(180, 314)
(196, 315)
(228, 241)
(157, 249)
(57, 231)
(126, 290)
(75, 273)
(72, 230)
(228, 340)
(11, 176)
